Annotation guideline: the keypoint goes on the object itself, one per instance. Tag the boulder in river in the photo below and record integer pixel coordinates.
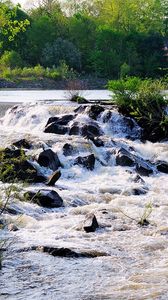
(55, 128)
(124, 158)
(90, 223)
(23, 143)
(15, 165)
(94, 111)
(87, 162)
(49, 159)
(45, 198)
(68, 149)
(62, 120)
(53, 178)
(91, 130)
(162, 167)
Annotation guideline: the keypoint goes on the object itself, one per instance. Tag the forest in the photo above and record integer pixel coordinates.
(105, 38)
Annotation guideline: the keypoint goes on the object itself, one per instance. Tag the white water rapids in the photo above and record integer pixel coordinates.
(132, 261)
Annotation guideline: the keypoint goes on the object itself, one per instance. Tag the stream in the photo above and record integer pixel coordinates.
(123, 259)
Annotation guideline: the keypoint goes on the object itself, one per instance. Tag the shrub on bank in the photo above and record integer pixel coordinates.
(35, 73)
(143, 100)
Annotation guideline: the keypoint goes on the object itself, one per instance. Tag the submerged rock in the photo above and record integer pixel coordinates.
(87, 162)
(12, 227)
(66, 252)
(68, 149)
(49, 159)
(45, 198)
(90, 223)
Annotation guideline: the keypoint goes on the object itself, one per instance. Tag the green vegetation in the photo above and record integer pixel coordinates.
(105, 38)
(143, 100)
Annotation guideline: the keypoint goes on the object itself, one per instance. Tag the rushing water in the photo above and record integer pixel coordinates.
(132, 261)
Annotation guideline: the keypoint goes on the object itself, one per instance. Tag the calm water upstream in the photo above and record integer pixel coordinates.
(20, 96)
(131, 262)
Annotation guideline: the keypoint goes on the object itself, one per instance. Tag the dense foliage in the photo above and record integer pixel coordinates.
(145, 101)
(108, 38)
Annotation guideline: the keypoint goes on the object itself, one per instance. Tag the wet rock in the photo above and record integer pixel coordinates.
(143, 169)
(91, 130)
(66, 252)
(23, 143)
(53, 178)
(80, 109)
(97, 141)
(55, 128)
(123, 158)
(75, 129)
(49, 159)
(63, 120)
(107, 116)
(139, 191)
(45, 198)
(87, 162)
(90, 223)
(94, 111)
(12, 227)
(68, 149)
(138, 179)
(162, 167)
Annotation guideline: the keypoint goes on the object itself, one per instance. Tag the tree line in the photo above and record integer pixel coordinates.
(105, 38)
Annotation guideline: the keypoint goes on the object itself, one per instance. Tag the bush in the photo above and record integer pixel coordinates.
(142, 99)
(11, 59)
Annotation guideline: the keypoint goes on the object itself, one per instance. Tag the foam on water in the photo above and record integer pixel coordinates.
(135, 258)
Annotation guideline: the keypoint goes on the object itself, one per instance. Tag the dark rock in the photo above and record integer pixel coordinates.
(55, 128)
(45, 198)
(162, 167)
(90, 223)
(63, 120)
(49, 159)
(94, 111)
(138, 179)
(68, 149)
(98, 142)
(66, 252)
(23, 143)
(87, 162)
(143, 169)
(139, 191)
(75, 129)
(91, 130)
(80, 109)
(53, 178)
(107, 116)
(124, 158)
(144, 223)
(12, 227)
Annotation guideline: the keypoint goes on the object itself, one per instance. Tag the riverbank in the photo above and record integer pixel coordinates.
(89, 83)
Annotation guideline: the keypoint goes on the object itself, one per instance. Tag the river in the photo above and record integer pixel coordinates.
(131, 261)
